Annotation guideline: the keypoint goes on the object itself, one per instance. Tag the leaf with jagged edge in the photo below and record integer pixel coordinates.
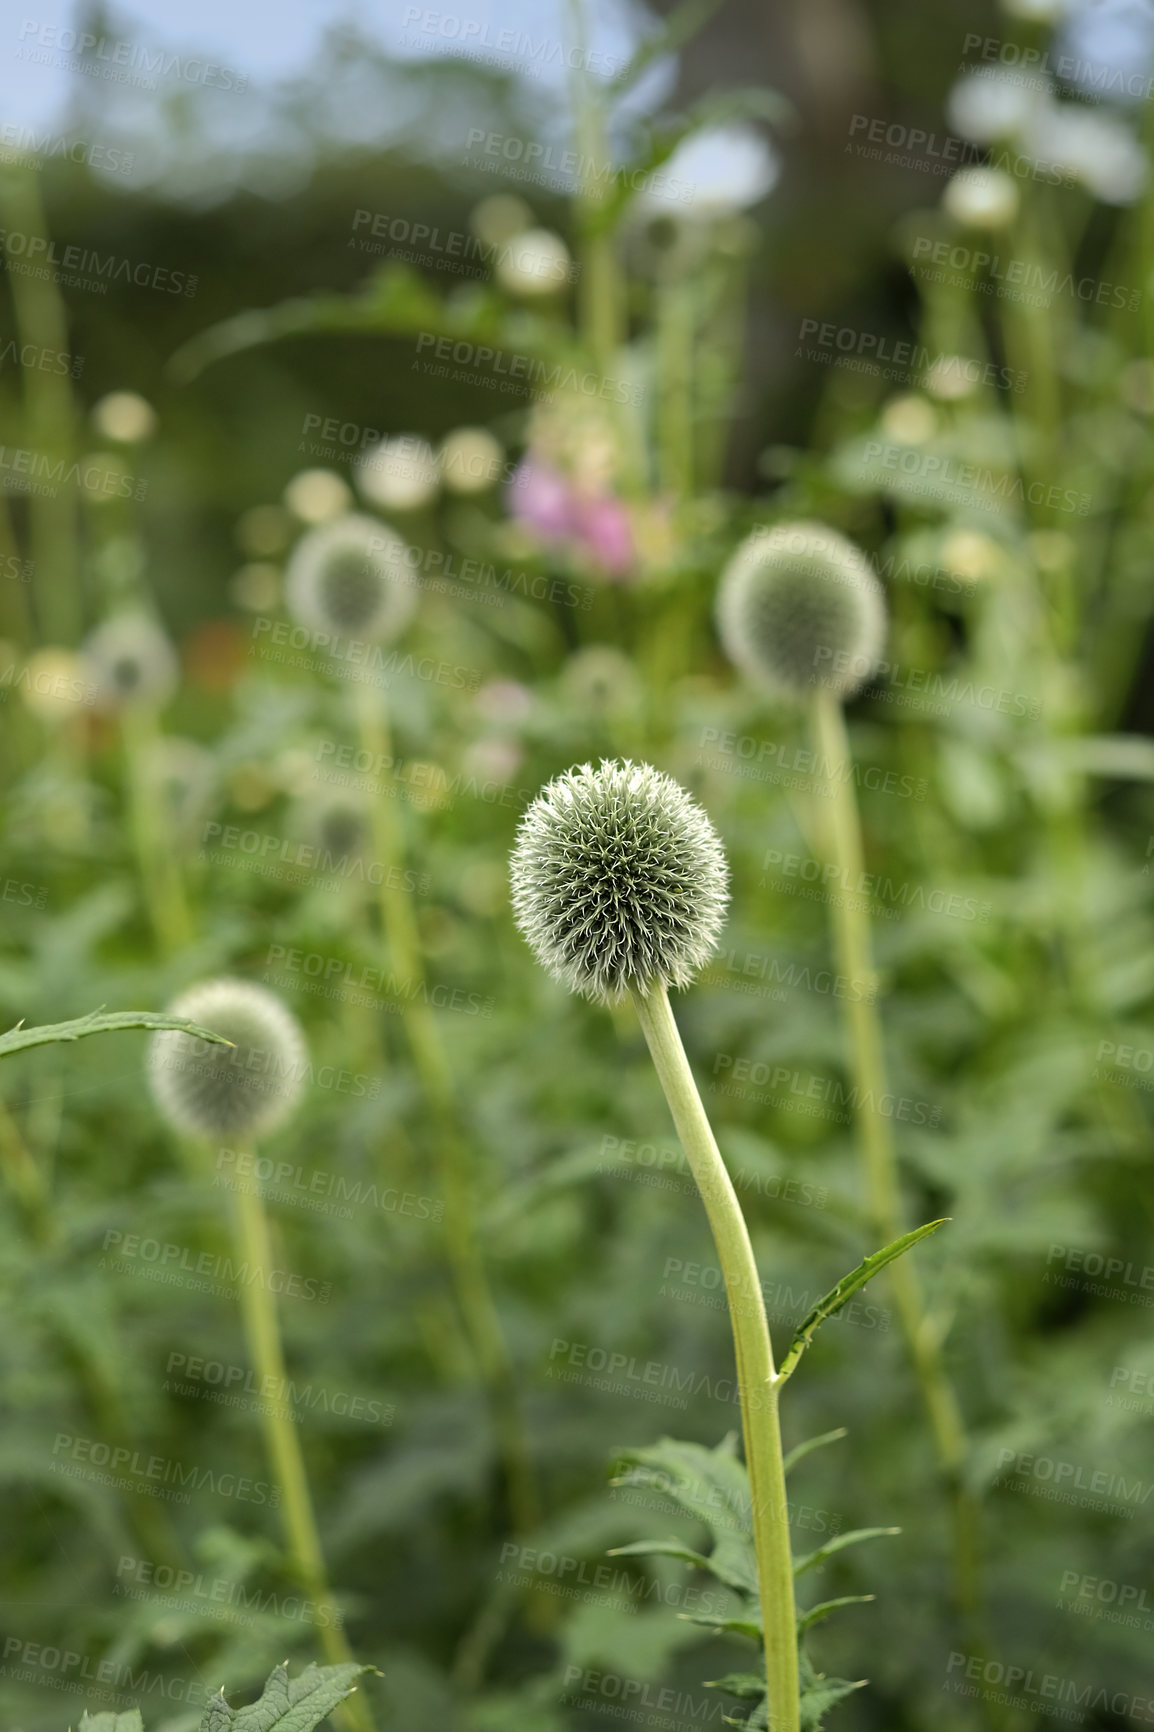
(712, 1486)
(816, 1613)
(818, 1694)
(748, 1686)
(749, 1626)
(801, 1450)
(675, 1549)
(854, 1537)
(108, 1722)
(19, 1039)
(286, 1704)
(845, 1289)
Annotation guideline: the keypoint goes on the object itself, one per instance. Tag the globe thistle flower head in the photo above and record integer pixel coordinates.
(351, 577)
(619, 881)
(982, 198)
(239, 1091)
(130, 660)
(800, 608)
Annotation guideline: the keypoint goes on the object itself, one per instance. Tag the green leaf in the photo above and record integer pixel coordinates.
(679, 28)
(818, 1694)
(817, 1613)
(712, 1486)
(664, 1549)
(811, 1560)
(732, 1626)
(800, 1452)
(130, 1722)
(286, 1705)
(846, 1288)
(18, 1038)
(750, 1686)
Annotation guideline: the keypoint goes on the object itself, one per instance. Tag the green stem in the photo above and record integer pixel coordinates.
(756, 1376)
(49, 420)
(477, 1306)
(159, 872)
(262, 1332)
(851, 933)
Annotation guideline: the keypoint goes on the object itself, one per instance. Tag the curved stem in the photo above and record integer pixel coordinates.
(262, 1331)
(851, 933)
(478, 1308)
(756, 1376)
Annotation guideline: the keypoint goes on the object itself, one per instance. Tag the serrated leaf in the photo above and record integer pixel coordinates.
(811, 1560)
(817, 1613)
(19, 1038)
(733, 1626)
(846, 1288)
(712, 1486)
(822, 1695)
(801, 1450)
(748, 1685)
(717, 1563)
(286, 1704)
(107, 1722)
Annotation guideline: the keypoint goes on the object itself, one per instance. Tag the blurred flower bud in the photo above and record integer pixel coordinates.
(244, 1090)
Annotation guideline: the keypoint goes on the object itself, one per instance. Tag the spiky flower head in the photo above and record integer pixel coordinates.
(239, 1091)
(619, 881)
(130, 660)
(351, 576)
(799, 607)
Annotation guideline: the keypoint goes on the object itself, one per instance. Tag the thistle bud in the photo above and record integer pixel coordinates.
(239, 1091)
(799, 607)
(350, 576)
(619, 881)
(130, 660)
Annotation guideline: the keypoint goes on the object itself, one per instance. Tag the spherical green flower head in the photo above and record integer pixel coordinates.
(351, 577)
(244, 1090)
(799, 607)
(619, 881)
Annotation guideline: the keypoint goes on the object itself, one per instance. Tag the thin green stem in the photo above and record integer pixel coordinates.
(854, 950)
(262, 1332)
(480, 1317)
(159, 872)
(49, 421)
(756, 1376)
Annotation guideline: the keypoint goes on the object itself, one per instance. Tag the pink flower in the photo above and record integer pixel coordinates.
(541, 498)
(603, 528)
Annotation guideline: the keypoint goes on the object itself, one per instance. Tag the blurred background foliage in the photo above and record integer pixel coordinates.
(1007, 818)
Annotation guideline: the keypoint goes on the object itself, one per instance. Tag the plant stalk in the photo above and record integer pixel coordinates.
(262, 1332)
(756, 1375)
(480, 1317)
(854, 952)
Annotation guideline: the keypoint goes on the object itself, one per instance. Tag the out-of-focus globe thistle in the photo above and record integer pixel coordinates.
(909, 419)
(534, 263)
(240, 1091)
(125, 417)
(619, 881)
(1095, 148)
(130, 661)
(799, 608)
(994, 103)
(351, 576)
(400, 474)
(497, 219)
(316, 495)
(982, 198)
(600, 680)
(471, 460)
(182, 779)
(338, 825)
(54, 683)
